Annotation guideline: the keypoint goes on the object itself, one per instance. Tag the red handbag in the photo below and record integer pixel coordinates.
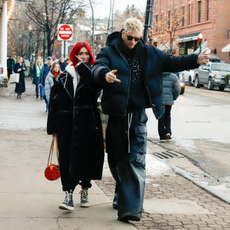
(52, 170)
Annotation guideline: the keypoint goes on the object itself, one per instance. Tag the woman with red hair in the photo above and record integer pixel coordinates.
(74, 118)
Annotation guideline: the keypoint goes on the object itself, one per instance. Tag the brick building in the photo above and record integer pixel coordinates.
(209, 17)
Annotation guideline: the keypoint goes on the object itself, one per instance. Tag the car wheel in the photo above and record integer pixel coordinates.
(182, 90)
(210, 84)
(221, 88)
(190, 81)
(197, 84)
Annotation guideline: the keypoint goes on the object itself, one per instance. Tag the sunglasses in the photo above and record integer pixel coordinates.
(130, 38)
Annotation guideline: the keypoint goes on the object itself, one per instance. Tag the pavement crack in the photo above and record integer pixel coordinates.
(57, 221)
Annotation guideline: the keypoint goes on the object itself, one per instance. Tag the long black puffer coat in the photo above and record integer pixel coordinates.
(153, 62)
(76, 121)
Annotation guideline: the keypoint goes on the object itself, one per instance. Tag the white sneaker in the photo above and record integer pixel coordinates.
(163, 140)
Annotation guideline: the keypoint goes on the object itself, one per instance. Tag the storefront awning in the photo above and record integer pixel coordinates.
(226, 48)
(188, 37)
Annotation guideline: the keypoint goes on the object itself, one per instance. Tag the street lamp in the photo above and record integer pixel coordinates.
(199, 41)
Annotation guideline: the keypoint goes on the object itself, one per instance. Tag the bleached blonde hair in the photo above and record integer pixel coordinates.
(133, 26)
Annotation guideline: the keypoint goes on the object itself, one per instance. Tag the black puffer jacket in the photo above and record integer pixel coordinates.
(153, 63)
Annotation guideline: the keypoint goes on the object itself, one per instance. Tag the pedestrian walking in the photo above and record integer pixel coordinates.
(74, 118)
(170, 92)
(67, 60)
(20, 67)
(10, 66)
(51, 78)
(45, 70)
(37, 73)
(131, 75)
(62, 63)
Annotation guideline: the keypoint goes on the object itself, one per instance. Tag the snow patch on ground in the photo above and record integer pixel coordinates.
(188, 144)
(154, 167)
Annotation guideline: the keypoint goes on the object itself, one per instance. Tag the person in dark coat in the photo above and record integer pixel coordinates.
(37, 73)
(74, 117)
(62, 63)
(45, 70)
(20, 67)
(170, 92)
(10, 66)
(131, 75)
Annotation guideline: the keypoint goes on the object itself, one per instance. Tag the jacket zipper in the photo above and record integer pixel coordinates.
(129, 78)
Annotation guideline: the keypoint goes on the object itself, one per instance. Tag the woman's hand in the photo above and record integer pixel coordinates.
(24, 68)
(19, 69)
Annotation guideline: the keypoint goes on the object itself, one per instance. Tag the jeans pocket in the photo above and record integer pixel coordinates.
(140, 158)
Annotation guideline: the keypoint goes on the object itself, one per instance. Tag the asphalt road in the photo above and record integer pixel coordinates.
(201, 129)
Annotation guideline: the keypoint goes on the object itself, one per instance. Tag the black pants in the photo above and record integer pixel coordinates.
(126, 147)
(9, 71)
(164, 123)
(84, 184)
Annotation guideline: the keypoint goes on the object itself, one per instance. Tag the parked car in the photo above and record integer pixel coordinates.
(182, 81)
(189, 76)
(213, 74)
(1, 76)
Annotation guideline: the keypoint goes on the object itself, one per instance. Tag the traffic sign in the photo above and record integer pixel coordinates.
(65, 32)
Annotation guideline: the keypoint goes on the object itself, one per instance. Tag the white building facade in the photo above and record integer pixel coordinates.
(3, 35)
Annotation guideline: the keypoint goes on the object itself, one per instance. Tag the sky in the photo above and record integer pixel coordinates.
(102, 10)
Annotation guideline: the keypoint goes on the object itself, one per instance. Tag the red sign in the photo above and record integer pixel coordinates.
(65, 32)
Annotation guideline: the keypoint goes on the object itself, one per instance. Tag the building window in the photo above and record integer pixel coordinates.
(169, 13)
(199, 11)
(183, 11)
(207, 10)
(189, 14)
(156, 23)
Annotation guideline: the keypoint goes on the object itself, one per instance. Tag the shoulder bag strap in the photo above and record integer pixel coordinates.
(51, 152)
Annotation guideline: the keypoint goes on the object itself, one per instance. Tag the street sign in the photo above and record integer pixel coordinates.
(65, 32)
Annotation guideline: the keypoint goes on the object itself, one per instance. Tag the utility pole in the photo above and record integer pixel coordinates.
(149, 9)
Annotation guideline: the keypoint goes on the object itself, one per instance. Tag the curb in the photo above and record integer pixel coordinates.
(200, 184)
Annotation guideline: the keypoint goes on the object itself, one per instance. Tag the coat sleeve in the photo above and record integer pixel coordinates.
(47, 88)
(172, 63)
(101, 65)
(84, 70)
(176, 86)
(52, 111)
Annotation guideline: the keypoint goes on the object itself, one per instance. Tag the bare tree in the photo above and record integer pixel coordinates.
(47, 14)
(91, 5)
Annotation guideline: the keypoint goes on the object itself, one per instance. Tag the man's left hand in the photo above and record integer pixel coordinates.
(203, 59)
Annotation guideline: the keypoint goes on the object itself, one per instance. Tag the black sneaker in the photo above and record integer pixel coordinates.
(84, 198)
(68, 202)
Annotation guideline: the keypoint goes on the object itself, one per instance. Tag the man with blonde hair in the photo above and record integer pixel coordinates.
(131, 76)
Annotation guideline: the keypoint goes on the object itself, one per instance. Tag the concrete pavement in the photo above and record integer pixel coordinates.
(30, 202)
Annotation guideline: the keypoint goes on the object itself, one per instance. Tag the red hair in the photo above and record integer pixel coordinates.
(76, 50)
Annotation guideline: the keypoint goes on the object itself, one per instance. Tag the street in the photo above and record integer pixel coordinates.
(171, 201)
(200, 127)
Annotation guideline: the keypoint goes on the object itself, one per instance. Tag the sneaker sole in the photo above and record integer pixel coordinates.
(85, 205)
(66, 207)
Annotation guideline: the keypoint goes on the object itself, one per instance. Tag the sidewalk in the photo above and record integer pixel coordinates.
(30, 202)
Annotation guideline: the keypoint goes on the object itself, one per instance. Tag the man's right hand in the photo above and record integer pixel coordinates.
(39, 85)
(110, 77)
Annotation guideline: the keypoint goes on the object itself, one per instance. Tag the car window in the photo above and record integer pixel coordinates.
(220, 67)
